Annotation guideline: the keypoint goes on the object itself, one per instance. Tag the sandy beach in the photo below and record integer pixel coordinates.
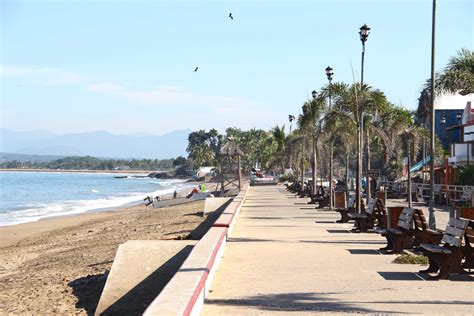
(60, 265)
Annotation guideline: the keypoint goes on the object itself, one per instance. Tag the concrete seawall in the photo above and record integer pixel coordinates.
(186, 291)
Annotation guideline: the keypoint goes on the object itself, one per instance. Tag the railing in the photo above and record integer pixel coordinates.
(422, 190)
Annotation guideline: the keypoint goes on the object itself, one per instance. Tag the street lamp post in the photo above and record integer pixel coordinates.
(314, 94)
(364, 34)
(432, 221)
(329, 74)
(291, 118)
(461, 137)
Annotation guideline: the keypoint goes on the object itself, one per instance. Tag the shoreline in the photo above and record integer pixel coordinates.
(127, 205)
(77, 171)
(60, 265)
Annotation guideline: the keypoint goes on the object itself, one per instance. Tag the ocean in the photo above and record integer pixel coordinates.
(31, 196)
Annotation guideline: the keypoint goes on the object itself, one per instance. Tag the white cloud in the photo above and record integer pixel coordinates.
(173, 96)
(105, 87)
(43, 75)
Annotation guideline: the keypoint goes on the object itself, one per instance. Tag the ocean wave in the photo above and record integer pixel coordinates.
(31, 212)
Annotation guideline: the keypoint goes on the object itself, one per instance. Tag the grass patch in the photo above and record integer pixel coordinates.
(411, 259)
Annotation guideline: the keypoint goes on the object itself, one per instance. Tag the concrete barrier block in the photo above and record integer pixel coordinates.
(140, 271)
(185, 293)
(213, 204)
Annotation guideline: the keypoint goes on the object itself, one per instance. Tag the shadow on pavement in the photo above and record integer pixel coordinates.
(401, 276)
(234, 240)
(362, 242)
(338, 231)
(264, 217)
(294, 302)
(363, 252)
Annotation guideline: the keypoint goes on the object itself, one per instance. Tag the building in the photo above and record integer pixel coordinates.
(461, 153)
(448, 108)
(453, 127)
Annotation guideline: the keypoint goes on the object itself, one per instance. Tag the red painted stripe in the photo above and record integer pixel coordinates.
(220, 225)
(202, 282)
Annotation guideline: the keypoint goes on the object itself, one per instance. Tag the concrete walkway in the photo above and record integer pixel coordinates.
(284, 256)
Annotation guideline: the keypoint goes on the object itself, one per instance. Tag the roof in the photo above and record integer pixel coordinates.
(231, 149)
(452, 101)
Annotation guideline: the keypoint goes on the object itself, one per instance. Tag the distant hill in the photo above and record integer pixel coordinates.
(6, 157)
(97, 144)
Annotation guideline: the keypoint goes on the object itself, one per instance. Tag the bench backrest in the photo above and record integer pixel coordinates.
(455, 231)
(405, 220)
(419, 220)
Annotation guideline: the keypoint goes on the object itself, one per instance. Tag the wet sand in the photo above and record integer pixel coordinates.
(60, 265)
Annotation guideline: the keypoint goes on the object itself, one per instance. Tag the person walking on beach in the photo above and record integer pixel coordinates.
(175, 195)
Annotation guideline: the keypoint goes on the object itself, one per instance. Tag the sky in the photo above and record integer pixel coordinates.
(128, 66)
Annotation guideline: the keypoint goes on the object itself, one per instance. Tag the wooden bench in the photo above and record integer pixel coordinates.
(400, 237)
(468, 248)
(447, 258)
(366, 220)
(318, 196)
(422, 233)
(346, 210)
(323, 202)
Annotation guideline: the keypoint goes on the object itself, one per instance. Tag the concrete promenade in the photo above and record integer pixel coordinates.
(284, 256)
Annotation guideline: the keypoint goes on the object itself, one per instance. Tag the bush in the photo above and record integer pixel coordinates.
(466, 176)
(290, 178)
(411, 259)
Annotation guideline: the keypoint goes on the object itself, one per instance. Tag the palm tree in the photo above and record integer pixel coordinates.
(309, 123)
(458, 75)
(279, 137)
(342, 136)
(349, 100)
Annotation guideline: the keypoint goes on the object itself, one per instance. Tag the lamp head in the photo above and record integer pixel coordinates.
(329, 73)
(364, 32)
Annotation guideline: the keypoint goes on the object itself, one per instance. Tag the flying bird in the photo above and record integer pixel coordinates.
(230, 16)
(196, 69)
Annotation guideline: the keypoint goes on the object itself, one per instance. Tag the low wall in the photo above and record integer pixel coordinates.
(187, 290)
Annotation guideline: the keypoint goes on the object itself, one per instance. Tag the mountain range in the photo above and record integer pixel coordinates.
(97, 144)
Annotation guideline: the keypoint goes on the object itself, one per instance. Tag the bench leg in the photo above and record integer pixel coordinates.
(389, 244)
(468, 261)
(360, 225)
(344, 216)
(397, 241)
(433, 265)
(356, 227)
(447, 263)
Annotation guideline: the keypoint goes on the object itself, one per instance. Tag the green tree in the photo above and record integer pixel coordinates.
(466, 176)
(458, 75)
(179, 161)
